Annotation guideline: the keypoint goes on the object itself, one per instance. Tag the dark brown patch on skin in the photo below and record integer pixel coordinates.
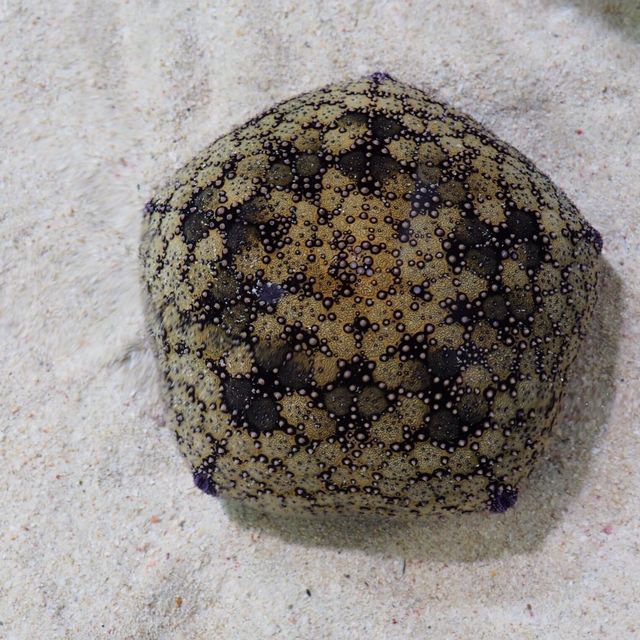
(363, 302)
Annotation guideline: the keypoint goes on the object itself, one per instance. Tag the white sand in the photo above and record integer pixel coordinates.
(102, 534)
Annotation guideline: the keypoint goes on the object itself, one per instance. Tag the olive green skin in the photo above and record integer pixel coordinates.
(365, 302)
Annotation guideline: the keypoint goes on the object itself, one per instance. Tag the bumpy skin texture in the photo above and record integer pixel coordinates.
(363, 301)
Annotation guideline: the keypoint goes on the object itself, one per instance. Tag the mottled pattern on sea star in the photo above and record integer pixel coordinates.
(363, 301)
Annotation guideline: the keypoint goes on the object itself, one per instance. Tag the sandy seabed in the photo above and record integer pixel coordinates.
(102, 533)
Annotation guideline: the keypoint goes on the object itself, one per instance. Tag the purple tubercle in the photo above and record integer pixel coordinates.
(379, 76)
(202, 480)
(270, 293)
(597, 240)
(503, 499)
